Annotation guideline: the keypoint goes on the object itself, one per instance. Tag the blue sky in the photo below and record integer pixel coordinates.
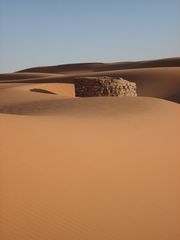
(51, 32)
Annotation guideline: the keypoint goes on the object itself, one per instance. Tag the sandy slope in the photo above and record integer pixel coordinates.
(73, 177)
(153, 82)
(93, 168)
(158, 78)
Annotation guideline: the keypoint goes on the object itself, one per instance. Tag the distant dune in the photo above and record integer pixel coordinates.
(99, 67)
(158, 78)
(90, 168)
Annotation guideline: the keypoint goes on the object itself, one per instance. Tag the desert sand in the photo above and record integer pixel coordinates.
(90, 168)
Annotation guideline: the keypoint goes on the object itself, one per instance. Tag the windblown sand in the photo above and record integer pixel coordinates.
(91, 168)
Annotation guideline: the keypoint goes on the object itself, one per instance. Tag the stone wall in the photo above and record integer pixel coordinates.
(104, 86)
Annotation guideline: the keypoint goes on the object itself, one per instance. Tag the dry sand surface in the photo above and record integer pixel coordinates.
(158, 78)
(90, 168)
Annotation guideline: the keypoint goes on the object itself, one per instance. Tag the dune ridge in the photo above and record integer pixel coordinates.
(98, 67)
(90, 168)
(155, 78)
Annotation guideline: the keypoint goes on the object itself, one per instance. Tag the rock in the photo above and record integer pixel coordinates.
(104, 86)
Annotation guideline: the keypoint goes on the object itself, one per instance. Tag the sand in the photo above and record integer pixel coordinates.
(91, 168)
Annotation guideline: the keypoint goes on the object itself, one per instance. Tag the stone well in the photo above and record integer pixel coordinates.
(104, 86)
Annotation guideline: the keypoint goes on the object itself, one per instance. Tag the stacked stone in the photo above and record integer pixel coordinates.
(104, 86)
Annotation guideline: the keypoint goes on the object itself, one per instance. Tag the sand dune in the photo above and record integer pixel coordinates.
(99, 67)
(115, 177)
(158, 78)
(12, 94)
(27, 75)
(153, 82)
(90, 168)
(88, 107)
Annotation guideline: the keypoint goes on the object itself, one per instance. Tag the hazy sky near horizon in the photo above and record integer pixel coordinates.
(51, 32)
